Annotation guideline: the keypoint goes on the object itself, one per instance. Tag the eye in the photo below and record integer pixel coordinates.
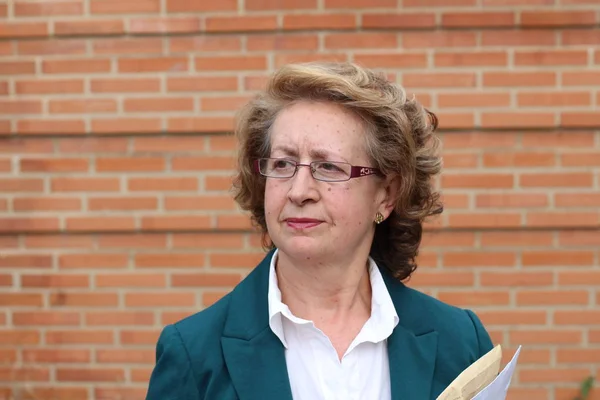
(329, 167)
(282, 164)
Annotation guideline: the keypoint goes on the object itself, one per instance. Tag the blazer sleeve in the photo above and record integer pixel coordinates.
(484, 342)
(172, 377)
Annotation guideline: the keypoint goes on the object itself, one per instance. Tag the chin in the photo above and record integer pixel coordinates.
(303, 247)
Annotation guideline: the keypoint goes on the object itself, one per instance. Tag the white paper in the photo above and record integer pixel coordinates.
(499, 386)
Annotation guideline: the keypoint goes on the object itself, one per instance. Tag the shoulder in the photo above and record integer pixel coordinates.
(458, 328)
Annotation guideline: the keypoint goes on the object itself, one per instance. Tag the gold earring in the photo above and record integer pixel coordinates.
(378, 218)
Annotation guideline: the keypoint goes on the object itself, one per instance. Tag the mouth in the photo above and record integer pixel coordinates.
(302, 223)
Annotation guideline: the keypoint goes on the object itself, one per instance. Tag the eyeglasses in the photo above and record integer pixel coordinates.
(327, 171)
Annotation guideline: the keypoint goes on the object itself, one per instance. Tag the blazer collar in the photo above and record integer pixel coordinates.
(255, 357)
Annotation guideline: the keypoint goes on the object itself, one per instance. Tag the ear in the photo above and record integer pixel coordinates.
(390, 189)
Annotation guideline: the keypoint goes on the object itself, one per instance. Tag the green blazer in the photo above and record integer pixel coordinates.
(228, 350)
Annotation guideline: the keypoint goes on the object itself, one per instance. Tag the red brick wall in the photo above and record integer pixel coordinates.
(115, 216)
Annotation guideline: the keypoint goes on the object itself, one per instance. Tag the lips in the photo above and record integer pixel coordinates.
(302, 223)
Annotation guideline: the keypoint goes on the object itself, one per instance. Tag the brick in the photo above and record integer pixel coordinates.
(81, 66)
(513, 200)
(47, 86)
(210, 298)
(478, 19)
(24, 374)
(321, 21)
(58, 241)
(159, 104)
(207, 241)
(47, 9)
(470, 59)
(488, 220)
(120, 392)
(517, 120)
(82, 106)
(518, 38)
(87, 27)
(557, 99)
(124, 7)
(398, 20)
(175, 223)
(519, 159)
(577, 199)
(514, 317)
(173, 260)
(510, 3)
(229, 103)
(438, 39)
(169, 145)
(478, 181)
(360, 40)
(102, 224)
(55, 281)
(184, 163)
(164, 25)
(130, 164)
(557, 258)
(19, 337)
(478, 259)
(552, 297)
(71, 393)
(45, 318)
(178, 6)
(446, 239)
(579, 37)
(23, 29)
(84, 184)
(118, 318)
(20, 107)
(6, 280)
(577, 356)
(516, 279)
(51, 47)
(86, 260)
(282, 59)
(122, 85)
(93, 145)
(83, 299)
(545, 337)
(438, 80)
(202, 84)
(517, 238)
(128, 46)
(199, 203)
(141, 375)
(550, 57)
(160, 299)
(135, 240)
(50, 127)
(557, 18)
(441, 279)
(79, 336)
(437, 3)
(509, 79)
(572, 220)
(230, 63)
(222, 143)
(559, 179)
(17, 67)
(153, 64)
(141, 356)
(131, 280)
(138, 337)
(204, 280)
(283, 42)
(21, 299)
(234, 222)
(473, 100)
(122, 203)
(207, 43)
(235, 260)
(162, 184)
(576, 317)
(471, 299)
(29, 224)
(127, 125)
(579, 238)
(564, 139)
(357, 4)
(579, 119)
(8, 357)
(53, 165)
(416, 60)
(90, 374)
(241, 23)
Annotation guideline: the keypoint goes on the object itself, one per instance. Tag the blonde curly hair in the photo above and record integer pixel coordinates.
(400, 142)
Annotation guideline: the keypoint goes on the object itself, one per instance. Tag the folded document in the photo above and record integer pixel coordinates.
(481, 380)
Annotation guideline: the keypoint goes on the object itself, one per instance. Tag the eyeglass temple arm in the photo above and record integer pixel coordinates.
(357, 171)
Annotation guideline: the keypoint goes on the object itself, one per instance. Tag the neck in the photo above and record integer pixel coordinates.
(324, 291)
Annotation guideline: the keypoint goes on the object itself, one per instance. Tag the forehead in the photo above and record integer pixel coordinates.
(325, 129)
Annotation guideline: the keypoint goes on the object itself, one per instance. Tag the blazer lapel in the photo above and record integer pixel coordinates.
(254, 355)
(412, 347)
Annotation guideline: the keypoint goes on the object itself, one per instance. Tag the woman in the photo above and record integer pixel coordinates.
(335, 168)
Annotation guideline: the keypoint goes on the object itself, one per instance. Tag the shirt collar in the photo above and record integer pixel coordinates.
(378, 327)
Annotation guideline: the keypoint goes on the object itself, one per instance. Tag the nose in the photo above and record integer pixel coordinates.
(303, 187)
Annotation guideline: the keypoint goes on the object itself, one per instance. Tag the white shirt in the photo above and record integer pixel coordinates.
(314, 368)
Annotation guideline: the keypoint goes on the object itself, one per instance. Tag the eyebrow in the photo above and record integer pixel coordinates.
(315, 154)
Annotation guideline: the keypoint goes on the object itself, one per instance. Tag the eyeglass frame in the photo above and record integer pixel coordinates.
(355, 170)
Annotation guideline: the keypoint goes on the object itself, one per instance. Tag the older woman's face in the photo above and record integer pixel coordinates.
(309, 218)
